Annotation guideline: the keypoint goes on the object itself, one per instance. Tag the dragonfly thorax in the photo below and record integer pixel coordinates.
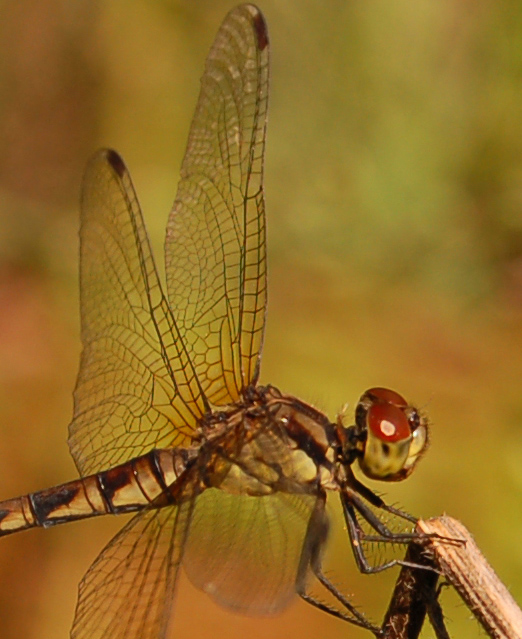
(269, 442)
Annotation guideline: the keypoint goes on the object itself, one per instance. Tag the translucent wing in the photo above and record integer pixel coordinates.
(245, 551)
(215, 245)
(128, 591)
(136, 388)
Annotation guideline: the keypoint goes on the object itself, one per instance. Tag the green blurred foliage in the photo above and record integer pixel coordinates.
(394, 200)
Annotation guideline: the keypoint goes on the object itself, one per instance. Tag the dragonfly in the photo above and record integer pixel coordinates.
(227, 478)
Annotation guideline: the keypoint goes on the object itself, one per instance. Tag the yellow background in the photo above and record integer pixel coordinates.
(394, 202)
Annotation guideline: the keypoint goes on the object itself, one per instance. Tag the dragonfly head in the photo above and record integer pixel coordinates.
(389, 436)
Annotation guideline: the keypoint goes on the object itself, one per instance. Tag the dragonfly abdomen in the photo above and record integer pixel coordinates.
(143, 482)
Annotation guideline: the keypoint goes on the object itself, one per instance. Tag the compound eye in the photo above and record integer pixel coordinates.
(388, 442)
(393, 435)
(417, 447)
(387, 396)
(388, 423)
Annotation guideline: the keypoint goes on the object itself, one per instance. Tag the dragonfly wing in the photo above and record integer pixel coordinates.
(215, 245)
(136, 379)
(128, 591)
(245, 551)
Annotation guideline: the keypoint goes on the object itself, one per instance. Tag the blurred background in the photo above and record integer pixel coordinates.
(394, 201)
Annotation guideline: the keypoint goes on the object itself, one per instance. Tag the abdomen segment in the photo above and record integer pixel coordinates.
(143, 482)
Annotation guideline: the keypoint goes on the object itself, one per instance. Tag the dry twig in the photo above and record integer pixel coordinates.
(466, 569)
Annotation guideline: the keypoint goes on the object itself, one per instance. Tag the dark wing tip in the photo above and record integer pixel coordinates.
(260, 28)
(115, 161)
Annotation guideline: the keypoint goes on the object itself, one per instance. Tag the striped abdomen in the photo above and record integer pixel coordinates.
(140, 483)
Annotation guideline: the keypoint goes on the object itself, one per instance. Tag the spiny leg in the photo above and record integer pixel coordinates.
(353, 503)
(311, 558)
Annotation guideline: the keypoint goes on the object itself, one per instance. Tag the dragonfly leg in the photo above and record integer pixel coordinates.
(352, 503)
(375, 500)
(358, 536)
(356, 617)
(315, 540)
(353, 493)
(350, 497)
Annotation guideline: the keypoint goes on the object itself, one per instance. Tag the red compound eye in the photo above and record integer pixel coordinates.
(388, 423)
(387, 396)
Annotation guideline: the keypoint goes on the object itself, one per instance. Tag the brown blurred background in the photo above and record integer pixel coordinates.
(394, 199)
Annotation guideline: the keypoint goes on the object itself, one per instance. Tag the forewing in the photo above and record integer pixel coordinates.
(215, 245)
(244, 551)
(128, 591)
(136, 388)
